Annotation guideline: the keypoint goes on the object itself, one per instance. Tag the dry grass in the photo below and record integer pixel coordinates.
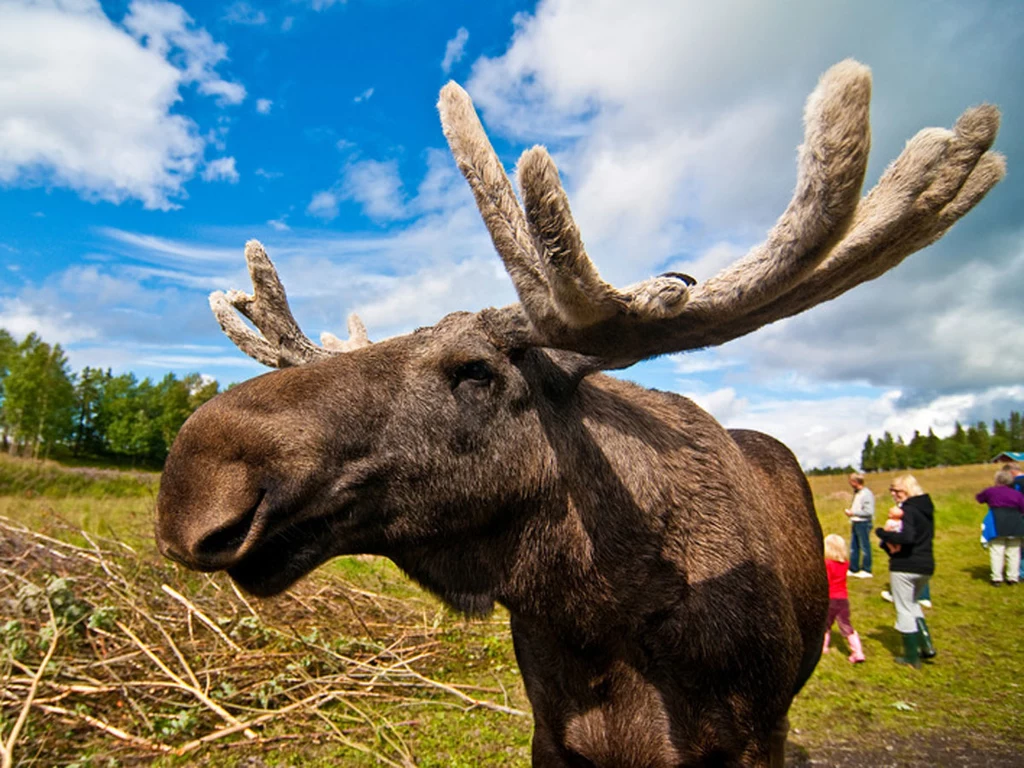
(102, 651)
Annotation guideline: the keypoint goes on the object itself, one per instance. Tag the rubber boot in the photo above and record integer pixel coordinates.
(828, 638)
(925, 641)
(856, 649)
(911, 652)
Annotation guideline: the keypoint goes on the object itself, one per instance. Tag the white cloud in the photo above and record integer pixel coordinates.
(287, 23)
(20, 318)
(278, 225)
(85, 106)
(375, 185)
(243, 13)
(164, 27)
(221, 169)
(364, 96)
(454, 50)
(164, 250)
(263, 106)
(324, 205)
(830, 430)
(268, 175)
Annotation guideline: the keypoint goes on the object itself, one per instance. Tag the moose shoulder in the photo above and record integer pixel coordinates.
(664, 576)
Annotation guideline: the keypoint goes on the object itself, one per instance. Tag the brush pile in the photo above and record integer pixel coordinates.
(105, 652)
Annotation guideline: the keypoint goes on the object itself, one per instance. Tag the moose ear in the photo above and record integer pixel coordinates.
(560, 372)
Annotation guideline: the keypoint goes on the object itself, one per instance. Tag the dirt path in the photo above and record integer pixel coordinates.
(923, 751)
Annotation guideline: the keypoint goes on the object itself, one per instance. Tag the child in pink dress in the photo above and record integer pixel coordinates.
(838, 599)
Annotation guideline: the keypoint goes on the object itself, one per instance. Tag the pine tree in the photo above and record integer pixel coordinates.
(867, 456)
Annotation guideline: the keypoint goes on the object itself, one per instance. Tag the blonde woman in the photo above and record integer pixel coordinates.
(911, 566)
(838, 598)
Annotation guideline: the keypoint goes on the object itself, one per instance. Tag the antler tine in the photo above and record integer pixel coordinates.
(938, 178)
(561, 290)
(357, 338)
(833, 160)
(824, 244)
(282, 343)
(494, 196)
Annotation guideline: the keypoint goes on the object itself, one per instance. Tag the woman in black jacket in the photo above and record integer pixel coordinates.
(911, 565)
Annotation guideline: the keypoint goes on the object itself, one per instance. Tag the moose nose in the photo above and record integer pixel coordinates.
(204, 529)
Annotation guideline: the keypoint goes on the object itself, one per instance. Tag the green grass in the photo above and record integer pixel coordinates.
(974, 686)
(19, 477)
(973, 692)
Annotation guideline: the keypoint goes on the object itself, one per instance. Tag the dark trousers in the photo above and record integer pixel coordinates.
(860, 546)
(839, 613)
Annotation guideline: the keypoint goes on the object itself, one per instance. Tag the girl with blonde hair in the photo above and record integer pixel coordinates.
(838, 599)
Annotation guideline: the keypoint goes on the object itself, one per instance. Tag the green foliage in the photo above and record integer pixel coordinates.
(973, 445)
(45, 408)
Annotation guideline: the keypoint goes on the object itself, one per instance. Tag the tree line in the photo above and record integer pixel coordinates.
(973, 445)
(45, 409)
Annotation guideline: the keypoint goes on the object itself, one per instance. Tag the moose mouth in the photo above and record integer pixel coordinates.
(277, 562)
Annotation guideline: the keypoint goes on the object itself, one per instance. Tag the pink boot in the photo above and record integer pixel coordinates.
(828, 637)
(857, 650)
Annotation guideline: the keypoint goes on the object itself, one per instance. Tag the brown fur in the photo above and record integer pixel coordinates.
(664, 576)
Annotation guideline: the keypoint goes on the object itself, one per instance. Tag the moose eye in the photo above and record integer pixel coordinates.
(477, 372)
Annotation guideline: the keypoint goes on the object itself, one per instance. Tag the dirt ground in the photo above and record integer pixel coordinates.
(923, 751)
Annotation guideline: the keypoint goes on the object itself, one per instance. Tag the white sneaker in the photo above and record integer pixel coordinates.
(865, 575)
(925, 603)
(887, 595)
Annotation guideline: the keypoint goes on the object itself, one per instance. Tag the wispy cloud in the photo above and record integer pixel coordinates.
(364, 96)
(162, 247)
(454, 50)
(243, 13)
(263, 106)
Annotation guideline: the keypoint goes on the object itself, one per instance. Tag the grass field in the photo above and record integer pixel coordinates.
(360, 667)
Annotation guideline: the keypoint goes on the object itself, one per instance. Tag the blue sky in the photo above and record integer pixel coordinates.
(142, 143)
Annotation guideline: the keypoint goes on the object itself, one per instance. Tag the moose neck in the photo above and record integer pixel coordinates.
(573, 553)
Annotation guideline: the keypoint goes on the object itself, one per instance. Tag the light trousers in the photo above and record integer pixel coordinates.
(906, 589)
(1005, 549)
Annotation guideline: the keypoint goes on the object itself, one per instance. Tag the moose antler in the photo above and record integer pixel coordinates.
(827, 241)
(282, 343)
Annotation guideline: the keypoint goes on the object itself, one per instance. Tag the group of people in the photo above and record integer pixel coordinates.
(906, 538)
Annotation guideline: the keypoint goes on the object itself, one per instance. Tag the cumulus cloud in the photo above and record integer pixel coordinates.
(674, 128)
(263, 106)
(87, 104)
(828, 428)
(454, 50)
(221, 169)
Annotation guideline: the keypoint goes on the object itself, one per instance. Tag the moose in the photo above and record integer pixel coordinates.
(664, 575)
